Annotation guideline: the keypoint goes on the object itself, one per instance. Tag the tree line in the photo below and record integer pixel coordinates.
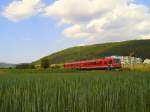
(44, 64)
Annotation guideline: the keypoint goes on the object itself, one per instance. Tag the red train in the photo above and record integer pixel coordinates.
(105, 63)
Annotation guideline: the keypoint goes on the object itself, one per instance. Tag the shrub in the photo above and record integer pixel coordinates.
(44, 63)
(25, 66)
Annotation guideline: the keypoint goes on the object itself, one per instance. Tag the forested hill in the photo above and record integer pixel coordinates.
(137, 48)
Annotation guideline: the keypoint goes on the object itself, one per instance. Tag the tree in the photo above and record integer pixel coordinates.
(44, 63)
(25, 66)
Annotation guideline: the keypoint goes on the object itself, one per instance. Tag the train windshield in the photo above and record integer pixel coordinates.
(117, 61)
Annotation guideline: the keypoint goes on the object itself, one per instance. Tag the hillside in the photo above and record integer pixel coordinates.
(138, 48)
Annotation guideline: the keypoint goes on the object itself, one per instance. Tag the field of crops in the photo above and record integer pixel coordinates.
(88, 91)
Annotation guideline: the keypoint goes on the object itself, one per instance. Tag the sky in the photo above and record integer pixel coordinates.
(31, 29)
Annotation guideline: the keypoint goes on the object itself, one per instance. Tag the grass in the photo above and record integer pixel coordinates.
(84, 91)
(137, 67)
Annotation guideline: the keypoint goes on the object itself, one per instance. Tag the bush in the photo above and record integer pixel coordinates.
(44, 63)
(25, 66)
(56, 66)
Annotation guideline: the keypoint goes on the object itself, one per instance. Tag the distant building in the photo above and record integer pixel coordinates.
(147, 61)
(129, 59)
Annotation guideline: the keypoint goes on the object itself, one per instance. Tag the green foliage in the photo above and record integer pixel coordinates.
(139, 48)
(45, 63)
(56, 66)
(25, 66)
(93, 91)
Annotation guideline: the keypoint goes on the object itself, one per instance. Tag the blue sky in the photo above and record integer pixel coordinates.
(31, 38)
(145, 2)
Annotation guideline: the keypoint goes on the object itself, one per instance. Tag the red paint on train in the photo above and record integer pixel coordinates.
(105, 63)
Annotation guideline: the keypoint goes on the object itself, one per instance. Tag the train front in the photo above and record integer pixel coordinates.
(116, 63)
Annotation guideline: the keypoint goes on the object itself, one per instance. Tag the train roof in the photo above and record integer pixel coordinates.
(85, 61)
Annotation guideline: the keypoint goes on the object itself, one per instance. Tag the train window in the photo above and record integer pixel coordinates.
(91, 63)
(118, 61)
(100, 62)
(76, 64)
(105, 62)
(94, 63)
(86, 64)
(110, 62)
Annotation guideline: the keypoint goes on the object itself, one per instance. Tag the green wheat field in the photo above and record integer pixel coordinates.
(84, 91)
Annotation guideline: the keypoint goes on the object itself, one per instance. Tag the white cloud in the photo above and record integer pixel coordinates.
(80, 10)
(75, 31)
(22, 9)
(99, 20)
(93, 20)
